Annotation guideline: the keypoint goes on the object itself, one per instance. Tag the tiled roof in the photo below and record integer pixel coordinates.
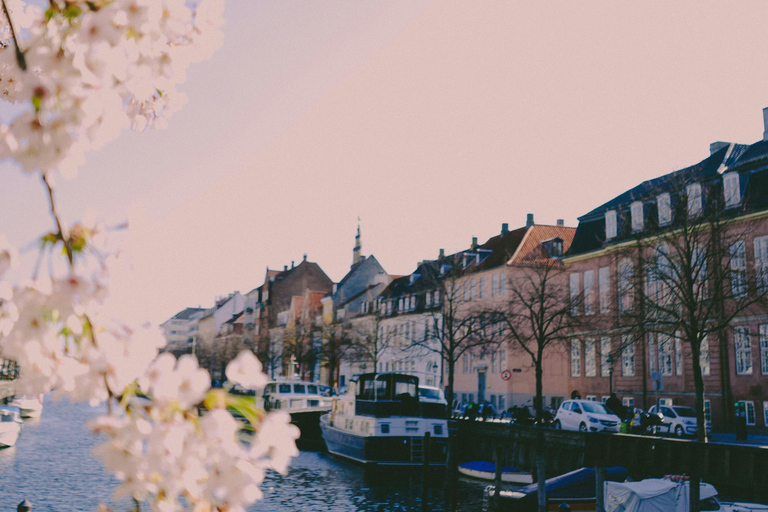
(531, 251)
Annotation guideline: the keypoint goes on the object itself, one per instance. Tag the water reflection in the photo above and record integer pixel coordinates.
(52, 467)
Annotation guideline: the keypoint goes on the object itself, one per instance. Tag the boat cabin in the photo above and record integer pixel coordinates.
(393, 394)
(293, 395)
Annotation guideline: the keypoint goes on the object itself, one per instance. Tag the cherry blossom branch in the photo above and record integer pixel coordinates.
(55, 214)
(20, 59)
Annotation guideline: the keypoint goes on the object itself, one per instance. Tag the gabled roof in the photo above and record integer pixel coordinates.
(532, 252)
(186, 314)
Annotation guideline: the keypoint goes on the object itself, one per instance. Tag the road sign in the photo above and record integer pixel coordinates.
(506, 375)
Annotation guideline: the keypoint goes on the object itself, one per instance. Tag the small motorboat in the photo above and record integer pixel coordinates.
(484, 470)
(10, 425)
(576, 488)
(30, 406)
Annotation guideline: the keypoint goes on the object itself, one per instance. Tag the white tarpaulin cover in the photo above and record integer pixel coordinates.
(651, 495)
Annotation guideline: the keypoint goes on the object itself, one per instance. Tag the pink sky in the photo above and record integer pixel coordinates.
(433, 121)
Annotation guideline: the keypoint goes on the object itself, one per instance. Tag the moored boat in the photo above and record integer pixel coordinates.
(304, 402)
(10, 425)
(484, 470)
(31, 406)
(381, 421)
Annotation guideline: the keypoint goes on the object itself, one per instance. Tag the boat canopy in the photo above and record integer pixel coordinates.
(387, 386)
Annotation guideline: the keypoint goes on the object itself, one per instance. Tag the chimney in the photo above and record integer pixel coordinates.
(474, 243)
(765, 123)
(291, 263)
(285, 267)
(442, 254)
(305, 256)
(529, 220)
(504, 229)
(717, 146)
(560, 222)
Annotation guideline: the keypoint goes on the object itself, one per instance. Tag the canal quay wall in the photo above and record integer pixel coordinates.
(737, 471)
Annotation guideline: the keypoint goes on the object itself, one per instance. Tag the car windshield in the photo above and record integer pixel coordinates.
(594, 407)
(429, 393)
(686, 412)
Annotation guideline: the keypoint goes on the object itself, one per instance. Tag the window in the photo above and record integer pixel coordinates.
(665, 354)
(761, 263)
(628, 402)
(626, 295)
(465, 363)
(494, 285)
(708, 411)
(503, 361)
(694, 199)
(610, 225)
(731, 189)
(604, 398)
(665, 209)
(743, 350)
(678, 355)
(428, 299)
(604, 284)
(627, 356)
(704, 356)
(466, 291)
(502, 403)
(665, 401)
(763, 349)
(502, 284)
(636, 211)
(495, 361)
(473, 289)
(436, 297)
(738, 269)
(575, 358)
(652, 359)
(592, 398)
(699, 273)
(750, 406)
(573, 282)
(765, 414)
(605, 352)
(589, 292)
(482, 287)
(590, 362)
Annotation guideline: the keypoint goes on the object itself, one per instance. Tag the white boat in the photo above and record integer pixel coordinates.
(667, 494)
(10, 426)
(30, 406)
(305, 402)
(484, 470)
(381, 421)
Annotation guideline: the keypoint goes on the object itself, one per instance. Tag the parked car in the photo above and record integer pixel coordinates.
(679, 420)
(432, 394)
(585, 416)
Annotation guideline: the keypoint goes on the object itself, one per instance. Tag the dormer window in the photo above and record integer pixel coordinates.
(665, 209)
(731, 189)
(428, 299)
(610, 224)
(637, 216)
(694, 199)
(554, 247)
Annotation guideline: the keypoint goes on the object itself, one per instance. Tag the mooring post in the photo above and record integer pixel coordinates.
(24, 506)
(425, 471)
(541, 472)
(497, 477)
(451, 467)
(599, 489)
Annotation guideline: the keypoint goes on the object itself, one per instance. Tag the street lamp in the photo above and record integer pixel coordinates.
(609, 360)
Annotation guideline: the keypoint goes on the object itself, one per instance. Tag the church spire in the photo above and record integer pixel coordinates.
(357, 255)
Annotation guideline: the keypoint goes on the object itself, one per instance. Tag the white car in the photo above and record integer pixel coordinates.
(432, 394)
(586, 416)
(681, 419)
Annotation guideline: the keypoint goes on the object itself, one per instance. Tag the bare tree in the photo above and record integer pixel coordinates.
(368, 339)
(694, 282)
(538, 316)
(269, 353)
(336, 344)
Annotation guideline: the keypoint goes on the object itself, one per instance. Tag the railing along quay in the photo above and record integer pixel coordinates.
(737, 471)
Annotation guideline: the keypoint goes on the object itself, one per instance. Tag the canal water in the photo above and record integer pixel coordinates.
(52, 467)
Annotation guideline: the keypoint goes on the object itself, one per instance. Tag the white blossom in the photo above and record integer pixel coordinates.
(246, 370)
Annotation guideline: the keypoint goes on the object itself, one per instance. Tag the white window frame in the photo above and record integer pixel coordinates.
(708, 410)
(627, 356)
(738, 268)
(604, 286)
(704, 361)
(575, 358)
(628, 401)
(652, 356)
(502, 283)
(605, 351)
(664, 207)
(591, 398)
(626, 275)
(665, 402)
(750, 405)
(665, 346)
(494, 285)
(695, 203)
(761, 263)
(590, 358)
(636, 211)
(763, 330)
(611, 226)
(589, 292)
(731, 189)
(574, 287)
(742, 347)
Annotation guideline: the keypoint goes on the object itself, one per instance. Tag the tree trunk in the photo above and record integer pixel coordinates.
(701, 424)
(539, 402)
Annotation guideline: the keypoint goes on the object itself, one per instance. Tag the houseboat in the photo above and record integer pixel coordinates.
(381, 421)
(305, 402)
